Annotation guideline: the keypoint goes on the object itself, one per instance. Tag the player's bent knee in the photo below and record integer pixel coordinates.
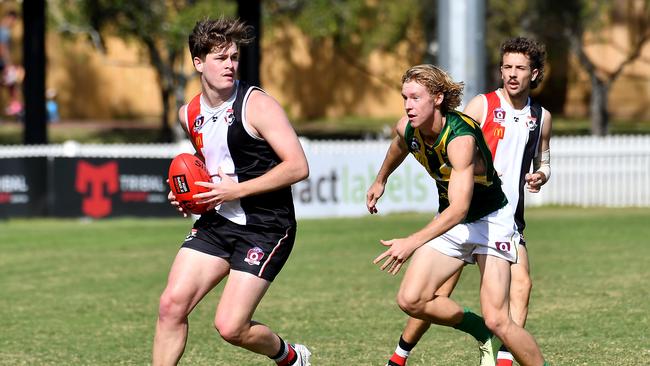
(520, 290)
(524, 284)
(410, 304)
(496, 321)
(171, 308)
(230, 333)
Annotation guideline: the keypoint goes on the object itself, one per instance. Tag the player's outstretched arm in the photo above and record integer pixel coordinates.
(461, 187)
(397, 152)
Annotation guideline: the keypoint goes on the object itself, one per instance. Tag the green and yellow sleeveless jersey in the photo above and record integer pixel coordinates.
(488, 196)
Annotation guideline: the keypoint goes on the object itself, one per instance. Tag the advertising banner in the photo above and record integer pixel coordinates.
(340, 177)
(23, 186)
(102, 187)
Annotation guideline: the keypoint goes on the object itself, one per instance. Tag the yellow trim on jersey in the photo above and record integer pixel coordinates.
(469, 121)
(445, 170)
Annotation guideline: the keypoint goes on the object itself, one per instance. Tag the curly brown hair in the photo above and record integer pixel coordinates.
(535, 51)
(211, 35)
(436, 80)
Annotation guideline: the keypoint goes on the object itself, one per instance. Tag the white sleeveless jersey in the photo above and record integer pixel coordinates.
(222, 136)
(513, 137)
(211, 124)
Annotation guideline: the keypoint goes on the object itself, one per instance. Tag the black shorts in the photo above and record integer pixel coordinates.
(261, 252)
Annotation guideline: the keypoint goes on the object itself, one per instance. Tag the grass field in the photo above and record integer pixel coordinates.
(75, 292)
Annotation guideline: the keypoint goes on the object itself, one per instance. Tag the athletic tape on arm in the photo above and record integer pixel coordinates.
(543, 164)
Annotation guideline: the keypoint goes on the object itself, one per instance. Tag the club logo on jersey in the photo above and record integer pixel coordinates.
(531, 123)
(199, 121)
(415, 144)
(254, 256)
(503, 246)
(230, 116)
(499, 115)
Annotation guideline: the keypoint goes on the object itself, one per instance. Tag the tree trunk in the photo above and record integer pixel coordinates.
(165, 130)
(179, 97)
(35, 126)
(250, 11)
(598, 107)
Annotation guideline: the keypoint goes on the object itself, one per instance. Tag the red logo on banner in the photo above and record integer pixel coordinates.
(96, 183)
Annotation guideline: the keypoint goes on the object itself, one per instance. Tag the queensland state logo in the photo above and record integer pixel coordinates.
(499, 115)
(254, 256)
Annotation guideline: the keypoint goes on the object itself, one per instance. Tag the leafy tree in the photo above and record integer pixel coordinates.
(161, 26)
(580, 23)
(636, 16)
(357, 27)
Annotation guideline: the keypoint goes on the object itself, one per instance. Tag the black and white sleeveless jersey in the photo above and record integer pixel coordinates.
(513, 137)
(223, 140)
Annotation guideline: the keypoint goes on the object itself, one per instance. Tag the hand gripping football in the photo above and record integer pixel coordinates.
(184, 170)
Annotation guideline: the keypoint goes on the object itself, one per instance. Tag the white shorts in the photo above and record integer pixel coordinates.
(494, 234)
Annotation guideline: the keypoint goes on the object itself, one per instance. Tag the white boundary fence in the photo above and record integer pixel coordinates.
(609, 171)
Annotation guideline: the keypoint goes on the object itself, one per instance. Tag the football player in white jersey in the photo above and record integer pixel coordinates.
(517, 131)
(250, 147)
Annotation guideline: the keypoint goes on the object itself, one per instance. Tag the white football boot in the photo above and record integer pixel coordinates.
(302, 354)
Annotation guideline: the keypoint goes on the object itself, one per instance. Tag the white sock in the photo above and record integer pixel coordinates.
(504, 355)
(401, 352)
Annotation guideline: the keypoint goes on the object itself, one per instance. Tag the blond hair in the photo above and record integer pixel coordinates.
(436, 80)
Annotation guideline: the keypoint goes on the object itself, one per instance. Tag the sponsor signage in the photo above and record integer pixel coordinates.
(101, 187)
(23, 186)
(338, 183)
(111, 187)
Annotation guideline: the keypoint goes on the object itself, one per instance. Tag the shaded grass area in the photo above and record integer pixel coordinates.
(85, 292)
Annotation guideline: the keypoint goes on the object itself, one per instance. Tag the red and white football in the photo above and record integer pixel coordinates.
(184, 170)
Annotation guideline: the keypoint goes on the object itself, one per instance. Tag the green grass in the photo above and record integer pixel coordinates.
(76, 292)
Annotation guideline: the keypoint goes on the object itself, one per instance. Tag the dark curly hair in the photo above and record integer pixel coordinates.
(210, 35)
(535, 51)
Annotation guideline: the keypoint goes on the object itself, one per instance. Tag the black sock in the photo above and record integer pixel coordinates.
(282, 351)
(406, 346)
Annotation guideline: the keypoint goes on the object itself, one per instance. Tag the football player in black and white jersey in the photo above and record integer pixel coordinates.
(254, 155)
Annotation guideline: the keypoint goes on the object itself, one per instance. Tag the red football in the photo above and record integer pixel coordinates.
(184, 170)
